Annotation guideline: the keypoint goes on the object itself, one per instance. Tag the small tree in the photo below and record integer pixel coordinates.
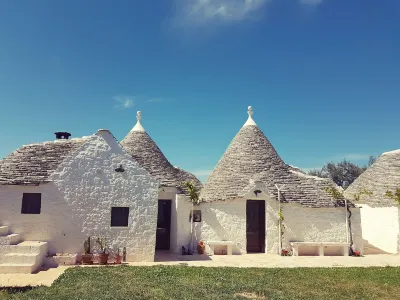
(195, 200)
(342, 173)
(338, 195)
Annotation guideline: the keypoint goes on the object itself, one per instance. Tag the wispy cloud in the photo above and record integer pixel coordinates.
(124, 102)
(310, 2)
(202, 12)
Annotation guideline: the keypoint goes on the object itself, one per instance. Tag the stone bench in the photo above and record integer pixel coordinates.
(228, 245)
(295, 247)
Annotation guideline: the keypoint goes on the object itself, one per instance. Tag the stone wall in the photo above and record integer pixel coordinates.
(319, 225)
(78, 203)
(91, 186)
(226, 220)
(54, 224)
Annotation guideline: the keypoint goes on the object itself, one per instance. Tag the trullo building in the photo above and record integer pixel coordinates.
(248, 188)
(379, 213)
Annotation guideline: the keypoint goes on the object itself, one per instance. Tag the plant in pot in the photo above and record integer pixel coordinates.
(201, 247)
(118, 257)
(87, 258)
(103, 256)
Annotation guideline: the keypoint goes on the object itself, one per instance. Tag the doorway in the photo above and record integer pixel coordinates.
(163, 234)
(255, 226)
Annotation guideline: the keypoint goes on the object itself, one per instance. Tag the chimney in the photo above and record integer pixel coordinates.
(62, 135)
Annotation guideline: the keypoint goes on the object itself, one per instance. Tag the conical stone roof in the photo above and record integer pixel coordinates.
(382, 176)
(251, 157)
(146, 152)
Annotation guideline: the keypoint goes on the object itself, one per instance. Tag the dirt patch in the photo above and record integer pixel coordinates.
(252, 296)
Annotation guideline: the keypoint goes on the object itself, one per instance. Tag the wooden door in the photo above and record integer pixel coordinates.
(163, 235)
(255, 225)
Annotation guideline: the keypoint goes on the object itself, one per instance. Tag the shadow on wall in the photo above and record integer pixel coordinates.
(210, 218)
(371, 249)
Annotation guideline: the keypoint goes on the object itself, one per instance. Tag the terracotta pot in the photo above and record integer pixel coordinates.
(118, 259)
(87, 259)
(201, 249)
(103, 258)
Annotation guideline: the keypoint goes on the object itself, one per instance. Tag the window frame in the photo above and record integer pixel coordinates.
(33, 208)
(115, 216)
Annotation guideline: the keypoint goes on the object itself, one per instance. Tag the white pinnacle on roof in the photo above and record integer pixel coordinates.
(250, 120)
(138, 126)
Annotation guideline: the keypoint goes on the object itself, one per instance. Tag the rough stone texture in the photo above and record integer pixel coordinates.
(77, 202)
(380, 177)
(91, 187)
(54, 224)
(33, 164)
(145, 151)
(250, 158)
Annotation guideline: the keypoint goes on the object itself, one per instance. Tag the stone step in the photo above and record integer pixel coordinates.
(3, 230)
(7, 268)
(10, 239)
(19, 258)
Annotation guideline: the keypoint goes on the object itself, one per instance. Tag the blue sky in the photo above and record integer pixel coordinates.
(323, 76)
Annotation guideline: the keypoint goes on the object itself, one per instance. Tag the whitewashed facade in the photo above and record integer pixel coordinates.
(380, 217)
(78, 196)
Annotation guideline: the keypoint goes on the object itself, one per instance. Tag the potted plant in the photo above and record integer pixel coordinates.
(285, 252)
(87, 256)
(118, 257)
(356, 253)
(103, 256)
(201, 247)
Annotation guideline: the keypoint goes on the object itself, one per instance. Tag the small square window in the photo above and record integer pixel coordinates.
(31, 203)
(119, 216)
(196, 216)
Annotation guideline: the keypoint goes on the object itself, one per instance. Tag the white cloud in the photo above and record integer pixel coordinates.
(310, 2)
(124, 102)
(202, 12)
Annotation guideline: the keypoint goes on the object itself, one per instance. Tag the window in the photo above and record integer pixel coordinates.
(31, 203)
(119, 216)
(196, 216)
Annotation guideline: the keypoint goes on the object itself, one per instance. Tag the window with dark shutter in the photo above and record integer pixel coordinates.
(119, 216)
(31, 203)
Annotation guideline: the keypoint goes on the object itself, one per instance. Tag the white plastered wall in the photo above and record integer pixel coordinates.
(305, 224)
(78, 202)
(91, 187)
(380, 229)
(54, 224)
(226, 220)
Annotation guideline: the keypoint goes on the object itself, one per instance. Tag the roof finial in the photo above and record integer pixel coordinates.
(138, 126)
(250, 111)
(250, 120)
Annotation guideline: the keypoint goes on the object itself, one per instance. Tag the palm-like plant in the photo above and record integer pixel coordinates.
(195, 200)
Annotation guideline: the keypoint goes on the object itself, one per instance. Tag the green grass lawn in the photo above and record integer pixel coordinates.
(180, 282)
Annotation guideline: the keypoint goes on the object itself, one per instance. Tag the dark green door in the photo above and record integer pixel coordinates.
(163, 235)
(255, 225)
